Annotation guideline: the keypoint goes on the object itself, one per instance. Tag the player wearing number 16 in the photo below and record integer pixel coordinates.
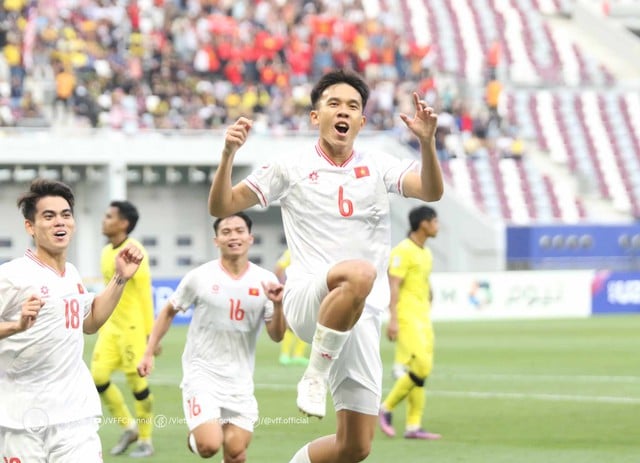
(231, 299)
(335, 211)
(48, 403)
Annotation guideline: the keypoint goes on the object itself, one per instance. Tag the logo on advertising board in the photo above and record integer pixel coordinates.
(480, 294)
(616, 292)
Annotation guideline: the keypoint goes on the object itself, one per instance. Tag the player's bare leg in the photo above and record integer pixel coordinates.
(236, 441)
(350, 444)
(349, 284)
(206, 439)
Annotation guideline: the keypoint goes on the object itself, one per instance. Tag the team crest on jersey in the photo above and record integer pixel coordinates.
(313, 176)
(215, 289)
(254, 292)
(44, 291)
(80, 288)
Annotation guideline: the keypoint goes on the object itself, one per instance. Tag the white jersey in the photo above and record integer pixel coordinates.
(227, 317)
(43, 378)
(334, 212)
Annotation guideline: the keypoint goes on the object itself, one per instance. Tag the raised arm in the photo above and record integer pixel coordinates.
(127, 262)
(225, 199)
(428, 184)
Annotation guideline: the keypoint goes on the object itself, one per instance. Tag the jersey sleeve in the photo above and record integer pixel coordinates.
(394, 170)
(185, 294)
(398, 263)
(269, 183)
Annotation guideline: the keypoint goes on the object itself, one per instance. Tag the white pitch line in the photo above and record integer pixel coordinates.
(537, 396)
(168, 381)
(534, 377)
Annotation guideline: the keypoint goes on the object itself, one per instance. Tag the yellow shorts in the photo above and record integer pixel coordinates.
(415, 340)
(118, 350)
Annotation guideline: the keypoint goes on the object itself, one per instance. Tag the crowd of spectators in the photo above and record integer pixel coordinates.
(136, 65)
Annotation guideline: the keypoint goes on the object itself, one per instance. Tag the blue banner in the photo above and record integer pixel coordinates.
(615, 292)
(163, 288)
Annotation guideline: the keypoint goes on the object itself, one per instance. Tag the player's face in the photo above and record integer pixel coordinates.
(432, 227)
(112, 223)
(339, 115)
(53, 225)
(233, 237)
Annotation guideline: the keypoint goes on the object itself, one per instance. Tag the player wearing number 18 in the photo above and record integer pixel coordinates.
(336, 216)
(232, 297)
(48, 403)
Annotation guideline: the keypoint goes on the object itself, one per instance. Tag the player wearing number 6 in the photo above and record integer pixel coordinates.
(231, 299)
(48, 403)
(335, 210)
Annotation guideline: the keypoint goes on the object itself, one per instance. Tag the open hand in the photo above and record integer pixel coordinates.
(424, 122)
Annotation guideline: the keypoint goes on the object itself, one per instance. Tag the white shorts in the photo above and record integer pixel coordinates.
(359, 360)
(201, 404)
(58, 443)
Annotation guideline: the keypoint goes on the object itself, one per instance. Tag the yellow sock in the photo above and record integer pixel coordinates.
(399, 391)
(416, 402)
(300, 348)
(287, 342)
(114, 401)
(144, 416)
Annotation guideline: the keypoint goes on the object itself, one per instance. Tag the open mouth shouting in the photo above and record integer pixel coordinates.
(342, 128)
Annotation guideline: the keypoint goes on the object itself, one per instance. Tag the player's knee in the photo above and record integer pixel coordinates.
(418, 380)
(100, 377)
(101, 387)
(239, 457)
(355, 450)
(207, 449)
(361, 278)
(421, 367)
(142, 395)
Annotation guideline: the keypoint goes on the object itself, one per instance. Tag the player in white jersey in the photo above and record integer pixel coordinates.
(49, 405)
(231, 299)
(335, 211)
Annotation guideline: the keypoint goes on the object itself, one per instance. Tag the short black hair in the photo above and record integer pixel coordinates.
(242, 215)
(39, 189)
(340, 76)
(418, 214)
(128, 212)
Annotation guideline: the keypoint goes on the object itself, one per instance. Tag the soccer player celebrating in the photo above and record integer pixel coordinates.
(123, 339)
(410, 322)
(48, 403)
(336, 218)
(232, 298)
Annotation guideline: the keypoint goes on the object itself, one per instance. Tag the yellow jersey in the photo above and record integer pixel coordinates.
(413, 265)
(136, 304)
(285, 259)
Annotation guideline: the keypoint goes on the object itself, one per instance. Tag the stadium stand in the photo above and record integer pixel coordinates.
(514, 85)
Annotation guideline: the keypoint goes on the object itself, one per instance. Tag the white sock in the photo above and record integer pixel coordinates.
(192, 444)
(326, 347)
(301, 456)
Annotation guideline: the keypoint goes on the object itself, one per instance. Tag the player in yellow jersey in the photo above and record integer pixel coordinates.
(122, 340)
(290, 341)
(410, 322)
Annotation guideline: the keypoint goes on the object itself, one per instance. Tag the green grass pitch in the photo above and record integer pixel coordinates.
(552, 391)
